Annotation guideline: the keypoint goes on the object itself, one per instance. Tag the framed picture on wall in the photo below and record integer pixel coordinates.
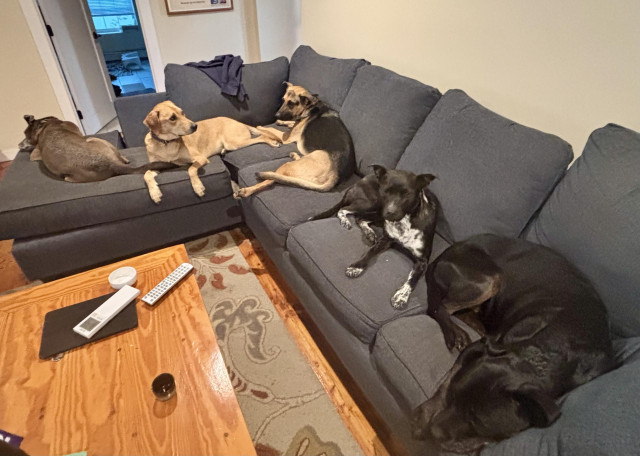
(197, 6)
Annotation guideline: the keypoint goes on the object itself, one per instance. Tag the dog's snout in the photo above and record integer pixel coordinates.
(194, 127)
(278, 115)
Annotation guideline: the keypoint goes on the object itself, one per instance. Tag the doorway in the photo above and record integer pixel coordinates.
(117, 25)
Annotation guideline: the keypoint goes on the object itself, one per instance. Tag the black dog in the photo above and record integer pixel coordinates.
(409, 211)
(362, 200)
(547, 333)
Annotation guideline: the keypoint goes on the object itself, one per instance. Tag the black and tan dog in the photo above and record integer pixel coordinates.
(326, 149)
(67, 154)
(546, 333)
(409, 211)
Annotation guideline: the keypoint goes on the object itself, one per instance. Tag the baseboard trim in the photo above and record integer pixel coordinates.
(8, 154)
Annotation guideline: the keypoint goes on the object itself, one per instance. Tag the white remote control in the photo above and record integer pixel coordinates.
(107, 310)
(163, 287)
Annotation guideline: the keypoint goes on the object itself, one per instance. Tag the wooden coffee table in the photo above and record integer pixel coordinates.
(98, 397)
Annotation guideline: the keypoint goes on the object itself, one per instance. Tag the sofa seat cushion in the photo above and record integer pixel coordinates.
(411, 358)
(600, 417)
(330, 78)
(200, 97)
(383, 111)
(322, 250)
(33, 204)
(593, 218)
(282, 207)
(257, 153)
(493, 174)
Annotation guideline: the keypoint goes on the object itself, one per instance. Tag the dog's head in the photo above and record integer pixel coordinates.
(167, 121)
(400, 191)
(297, 103)
(490, 398)
(32, 132)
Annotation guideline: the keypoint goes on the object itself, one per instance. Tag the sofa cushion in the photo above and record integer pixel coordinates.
(282, 207)
(322, 250)
(383, 111)
(493, 173)
(411, 357)
(33, 204)
(200, 97)
(131, 114)
(600, 417)
(257, 153)
(328, 77)
(593, 218)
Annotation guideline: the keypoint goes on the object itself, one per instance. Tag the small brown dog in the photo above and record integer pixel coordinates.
(174, 138)
(326, 149)
(69, 155)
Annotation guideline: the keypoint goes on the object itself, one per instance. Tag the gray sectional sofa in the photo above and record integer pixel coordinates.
(494, 175)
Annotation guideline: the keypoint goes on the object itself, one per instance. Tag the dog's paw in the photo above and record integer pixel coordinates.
(456, 338)
(370, 237)
(156, 195)
(199, 189)
(294, 156)
(274, 143)
(353, 272)
(345, 223)
(240, 193)
(401, 297)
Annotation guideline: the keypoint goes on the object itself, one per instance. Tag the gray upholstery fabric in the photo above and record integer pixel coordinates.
(593, 218)
(131, 113)
(383, 111)
(281, 207)
(601, 417)
(257, 153)
(33, 204)
(322, 250)
(112, 136)
(60, 254)
(412, 358)
(493, 173)
(328, 77)
(200, 97)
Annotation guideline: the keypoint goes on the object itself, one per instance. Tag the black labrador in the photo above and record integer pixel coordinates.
(546, 333)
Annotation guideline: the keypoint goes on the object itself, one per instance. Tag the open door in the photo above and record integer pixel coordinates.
(78, 50)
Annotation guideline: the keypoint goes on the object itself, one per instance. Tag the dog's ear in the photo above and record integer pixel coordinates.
(29, 118)
(152, 121)
(379, 170)
(287, 83)
(424, 179)
(305, 100)
(536, 406)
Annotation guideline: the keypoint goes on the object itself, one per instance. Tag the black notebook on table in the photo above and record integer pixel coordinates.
(57, 332)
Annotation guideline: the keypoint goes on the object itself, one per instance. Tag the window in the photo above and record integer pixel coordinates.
(110, 15)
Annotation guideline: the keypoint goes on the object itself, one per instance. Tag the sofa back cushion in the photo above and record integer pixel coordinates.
(328, 77)
(200, 98)
(593, 218)
(493, 174)
(383, 111)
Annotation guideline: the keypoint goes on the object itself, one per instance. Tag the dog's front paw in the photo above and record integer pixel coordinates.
(456, 338)
(156, 195)
(274, 143)
(240, 193)
(370, 237)
(294, 156)
(353, 272)
(198, 188)
(401, 297)
(345, 223)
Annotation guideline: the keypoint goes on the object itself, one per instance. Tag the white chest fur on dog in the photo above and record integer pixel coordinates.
(409, 237)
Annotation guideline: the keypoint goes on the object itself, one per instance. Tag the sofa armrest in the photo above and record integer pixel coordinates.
(113, 137)
(131, 113)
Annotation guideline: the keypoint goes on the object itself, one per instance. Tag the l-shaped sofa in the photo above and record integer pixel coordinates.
(494, 175)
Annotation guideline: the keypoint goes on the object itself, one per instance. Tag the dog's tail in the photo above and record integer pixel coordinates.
(153, 166)
(329, 212)
(297, 182)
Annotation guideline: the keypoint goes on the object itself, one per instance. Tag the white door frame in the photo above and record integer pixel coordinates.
(52, 65)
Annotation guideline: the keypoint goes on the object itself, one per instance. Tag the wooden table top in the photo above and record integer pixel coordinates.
(98, 397)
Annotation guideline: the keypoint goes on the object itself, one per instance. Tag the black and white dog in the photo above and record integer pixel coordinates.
(409, 211)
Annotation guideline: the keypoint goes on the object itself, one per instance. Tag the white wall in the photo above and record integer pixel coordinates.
(279, 27)
(563, 67)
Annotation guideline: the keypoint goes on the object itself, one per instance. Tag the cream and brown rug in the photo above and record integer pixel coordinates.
(286, 408)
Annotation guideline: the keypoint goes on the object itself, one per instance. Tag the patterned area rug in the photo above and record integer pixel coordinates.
(286, 408)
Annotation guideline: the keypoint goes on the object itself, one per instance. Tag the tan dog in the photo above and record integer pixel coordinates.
(174, 138)
(326, 149)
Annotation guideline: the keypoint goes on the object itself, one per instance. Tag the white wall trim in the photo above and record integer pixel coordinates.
(49, 60)
(151, 42)
(8, 154)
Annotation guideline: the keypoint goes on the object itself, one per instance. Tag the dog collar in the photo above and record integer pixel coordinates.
(163, 141)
